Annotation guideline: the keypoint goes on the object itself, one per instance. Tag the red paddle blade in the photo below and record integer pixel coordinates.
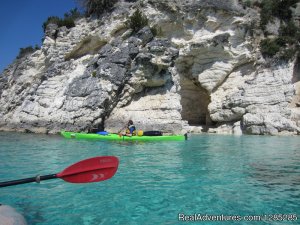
(90, 170)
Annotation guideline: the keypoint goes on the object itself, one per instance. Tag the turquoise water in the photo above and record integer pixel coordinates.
(155, 182)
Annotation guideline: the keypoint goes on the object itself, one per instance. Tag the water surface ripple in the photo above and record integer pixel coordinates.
(208, 174)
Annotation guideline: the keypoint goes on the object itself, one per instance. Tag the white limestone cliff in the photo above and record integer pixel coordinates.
(204, 72)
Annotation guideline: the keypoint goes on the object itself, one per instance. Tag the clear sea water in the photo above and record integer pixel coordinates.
(206, 175)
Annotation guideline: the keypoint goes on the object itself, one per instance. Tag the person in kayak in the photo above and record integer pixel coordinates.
(130, 129)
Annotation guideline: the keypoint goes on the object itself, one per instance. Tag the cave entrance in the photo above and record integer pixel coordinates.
(194, 102)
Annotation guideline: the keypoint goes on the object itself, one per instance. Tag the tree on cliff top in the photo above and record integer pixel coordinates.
(96, 7)
(26, 51)
(67, 21)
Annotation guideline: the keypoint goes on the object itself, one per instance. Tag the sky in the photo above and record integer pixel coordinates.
(21, 24)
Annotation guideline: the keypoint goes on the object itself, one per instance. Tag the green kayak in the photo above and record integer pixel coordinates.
(116, 137)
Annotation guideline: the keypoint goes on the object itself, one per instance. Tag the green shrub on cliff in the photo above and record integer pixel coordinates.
(246, 3)
(137, 21)
(73, 14)
(67, 21)
(286, 45)
(156, 31)
(274, 8)
(51, 20)
(96, 7)
(290, 30)
(269, 47)
(27, 50)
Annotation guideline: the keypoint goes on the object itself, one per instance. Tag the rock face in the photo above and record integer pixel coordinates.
(9, 216)
(204, 72)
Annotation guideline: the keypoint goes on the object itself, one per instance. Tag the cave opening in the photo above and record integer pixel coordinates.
(194, 102)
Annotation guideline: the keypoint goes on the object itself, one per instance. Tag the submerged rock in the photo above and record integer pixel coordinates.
(9, 216)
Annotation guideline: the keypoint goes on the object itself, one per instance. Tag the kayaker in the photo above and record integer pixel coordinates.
(130, 129)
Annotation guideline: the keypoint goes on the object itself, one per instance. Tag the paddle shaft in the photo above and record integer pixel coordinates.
(28, 180)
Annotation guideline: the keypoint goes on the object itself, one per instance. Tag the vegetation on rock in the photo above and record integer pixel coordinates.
(137, 21)
(67, 21)
(96, 7)
(274, 8)
(27, 50)
(286, 44)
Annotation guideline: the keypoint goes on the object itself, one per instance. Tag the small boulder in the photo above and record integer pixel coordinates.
(9, 216)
